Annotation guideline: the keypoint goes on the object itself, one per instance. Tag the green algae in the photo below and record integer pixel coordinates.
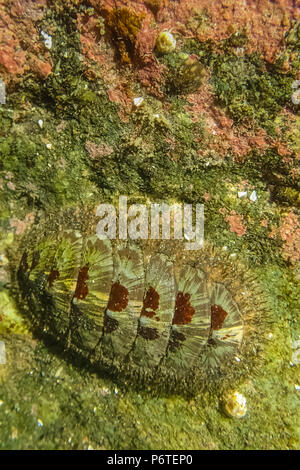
(109, 417)
(292, 40)
(247, 87)
(11, 321)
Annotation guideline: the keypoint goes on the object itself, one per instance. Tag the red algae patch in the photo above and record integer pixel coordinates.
(236, 223)
(223, 136)
(20, 226)
(97, 151)
(21, 45)
(265, 22)
(290, 234)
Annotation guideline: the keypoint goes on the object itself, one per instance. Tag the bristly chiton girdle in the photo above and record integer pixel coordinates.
(151, 312)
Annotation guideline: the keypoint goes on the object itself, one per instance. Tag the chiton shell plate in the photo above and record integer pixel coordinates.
(149, 311)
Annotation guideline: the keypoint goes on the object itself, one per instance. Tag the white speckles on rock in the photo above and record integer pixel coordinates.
(296, 97)
(239, 51)
(296, 84)
(253, 196)
(40, 423)
(242, 194)
(138, 101)
(2, 353)
(104, 391)
(2, 92)
(296, 352)
(47, 39)
(235, 405)
(41, 123)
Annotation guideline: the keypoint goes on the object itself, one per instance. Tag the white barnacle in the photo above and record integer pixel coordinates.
(296, 84)
(253, 196)
(296, 97)
(47, 39)
(165, 42)
(138, 101)
(235, 405)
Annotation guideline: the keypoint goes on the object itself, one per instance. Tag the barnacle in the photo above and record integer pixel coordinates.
(186, 76)
(165, 42)
(235, 405)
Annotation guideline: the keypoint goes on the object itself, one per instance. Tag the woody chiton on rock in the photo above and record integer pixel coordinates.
(151, 312)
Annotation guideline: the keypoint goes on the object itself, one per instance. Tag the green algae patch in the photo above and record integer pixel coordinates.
(47, 403)
(248, 88)
(10, 318)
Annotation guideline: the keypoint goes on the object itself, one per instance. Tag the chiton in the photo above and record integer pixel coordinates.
(151, 312)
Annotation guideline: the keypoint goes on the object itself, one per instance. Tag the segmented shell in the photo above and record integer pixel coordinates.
(146, 310)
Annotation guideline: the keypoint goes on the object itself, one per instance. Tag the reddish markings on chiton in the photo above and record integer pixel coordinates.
(218, 315)
(118, 298)
(82, 289)
(225, 337)
(151, 301)
(54, 274)
(184, 311)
